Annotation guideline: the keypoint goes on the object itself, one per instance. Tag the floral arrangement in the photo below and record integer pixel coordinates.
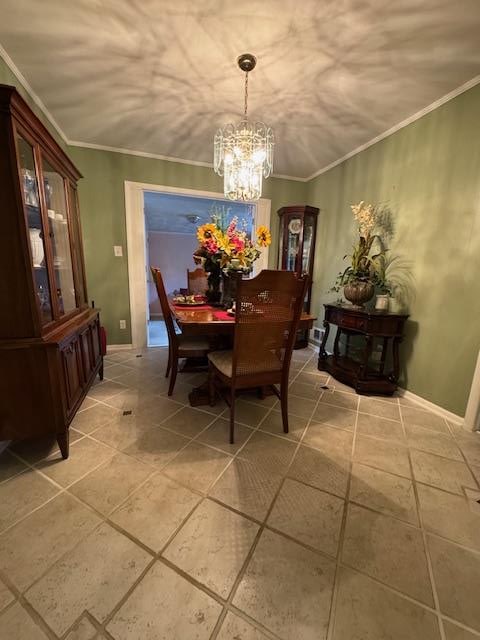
(366, 265)
(227, 246)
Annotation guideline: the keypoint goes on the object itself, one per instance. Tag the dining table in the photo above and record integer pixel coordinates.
(203, 319)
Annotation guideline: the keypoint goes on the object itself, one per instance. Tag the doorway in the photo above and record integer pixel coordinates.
(161, 231)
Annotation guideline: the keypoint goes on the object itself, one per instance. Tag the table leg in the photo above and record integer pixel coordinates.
(366, 357)
(396, 360)
(322, 355)
(336, 342)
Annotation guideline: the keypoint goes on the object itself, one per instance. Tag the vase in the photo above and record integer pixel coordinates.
(213, 293)
(382, 302)
(36, 243)
(358, 292)
(230, 281)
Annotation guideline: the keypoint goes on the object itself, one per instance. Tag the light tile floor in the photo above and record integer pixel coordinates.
(360, 523)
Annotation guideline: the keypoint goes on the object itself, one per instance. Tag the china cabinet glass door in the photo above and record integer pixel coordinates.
(35, 227)
(308, 230)
(56, 203)
(293, 244)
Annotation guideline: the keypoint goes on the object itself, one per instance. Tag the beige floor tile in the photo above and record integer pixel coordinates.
(94, 576)
(317, 380)
(377, 427)
(218, 435)
(83, 630)
(433, 442)
(87, 403)
(157, 409)
(449, 516)
(249, 413)
(106, 487)
(267, 402)
(379, 408)
(156, 446)
(58, 526)
(425, 419)
(6, 596)
(329, 440)
(268, 451)
(327, 471)
(456, 572)
(287, 588)
(85, 455)
(450, 475)
(188, 422)
(164, 590)
(366, 610)
(273, 424)
(212, 546)
(234, 627)
(105, 390)
(335, 416)
(112, 370)
(10, 466)
(16, 624)
(98, 415)
(384, 492)
(470, 445)
(36, 449)
(340, 399)
(476, 472)
(123, 431)
(21, 494)
(247, 488)
(181, 392)
(120, 356)
(305, 390)
(301, 407)
(197, 466)
(154, 512)
(387, 550)
(381, 454)
(308, 515)
(454, 632)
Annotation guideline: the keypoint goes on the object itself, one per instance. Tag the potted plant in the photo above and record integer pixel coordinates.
(366, 270)
(226, 252)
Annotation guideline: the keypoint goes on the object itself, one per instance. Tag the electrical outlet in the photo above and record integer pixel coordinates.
(123, 324)
(118, 251)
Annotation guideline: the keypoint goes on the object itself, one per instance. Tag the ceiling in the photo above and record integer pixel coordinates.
(166, 212)
(159, 76)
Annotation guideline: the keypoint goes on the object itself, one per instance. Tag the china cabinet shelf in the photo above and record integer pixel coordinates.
(49, 336)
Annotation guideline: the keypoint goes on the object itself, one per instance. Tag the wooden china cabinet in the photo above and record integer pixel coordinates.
(50, 348)
(298, 230)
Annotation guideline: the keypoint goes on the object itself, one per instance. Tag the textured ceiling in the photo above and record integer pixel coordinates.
(160, 76)
(168, 212)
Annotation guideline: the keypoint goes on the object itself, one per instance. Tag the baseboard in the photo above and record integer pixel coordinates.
(118, 347)
(426, 404)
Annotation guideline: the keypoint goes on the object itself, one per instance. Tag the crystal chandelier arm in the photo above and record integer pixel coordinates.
(246, 95)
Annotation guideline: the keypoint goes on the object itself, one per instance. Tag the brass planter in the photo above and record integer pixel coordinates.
(358, 292)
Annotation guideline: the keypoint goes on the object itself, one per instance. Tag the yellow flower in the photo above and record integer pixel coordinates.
(264, 238)
(206, 231)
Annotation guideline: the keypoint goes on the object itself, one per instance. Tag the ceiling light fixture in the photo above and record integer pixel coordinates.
(243, 153)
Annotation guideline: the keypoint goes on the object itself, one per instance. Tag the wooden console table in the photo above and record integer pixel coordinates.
(362, 374)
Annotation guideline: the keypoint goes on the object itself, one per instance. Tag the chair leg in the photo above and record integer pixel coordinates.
(169, 364)
(284, 404)
(211, 385)
(232, 415)
(173, 376)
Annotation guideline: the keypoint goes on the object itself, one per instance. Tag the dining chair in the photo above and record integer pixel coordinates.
(268, 310)
(197, 282)
(179, 346)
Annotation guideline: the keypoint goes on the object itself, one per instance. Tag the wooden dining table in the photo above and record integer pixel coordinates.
(214, 322)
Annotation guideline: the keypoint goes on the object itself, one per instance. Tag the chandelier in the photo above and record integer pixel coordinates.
(243, 152)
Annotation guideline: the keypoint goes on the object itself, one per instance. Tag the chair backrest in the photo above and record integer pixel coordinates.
(197, 282)
(166, 311)
(268, 309)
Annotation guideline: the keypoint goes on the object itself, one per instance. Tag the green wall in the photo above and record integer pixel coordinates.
(102, 205)
(428, 174)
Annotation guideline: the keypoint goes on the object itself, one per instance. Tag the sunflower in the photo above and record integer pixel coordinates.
(264, 238)
(206, 232)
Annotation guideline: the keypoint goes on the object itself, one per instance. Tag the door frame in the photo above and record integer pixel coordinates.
(137, 246)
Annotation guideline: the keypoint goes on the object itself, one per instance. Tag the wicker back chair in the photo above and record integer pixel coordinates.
(268, 310)
(179, 346)
(197, 282)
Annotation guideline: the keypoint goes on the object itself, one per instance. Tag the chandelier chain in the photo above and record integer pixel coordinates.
(246, 95)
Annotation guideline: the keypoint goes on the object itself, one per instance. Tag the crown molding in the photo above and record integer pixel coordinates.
(404, 123)
(144, 154)
(26, 85)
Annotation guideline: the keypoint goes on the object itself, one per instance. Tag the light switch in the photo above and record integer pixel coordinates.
(118, 251)
(123, 324)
